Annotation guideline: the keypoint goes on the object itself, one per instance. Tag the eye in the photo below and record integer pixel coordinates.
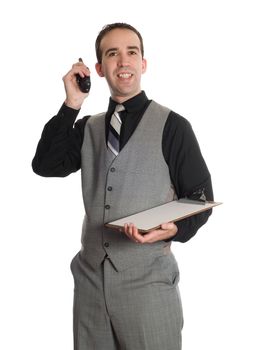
(132, 52)
(112, 54)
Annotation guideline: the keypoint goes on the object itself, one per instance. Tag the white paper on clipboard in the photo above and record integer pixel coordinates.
(151, 219)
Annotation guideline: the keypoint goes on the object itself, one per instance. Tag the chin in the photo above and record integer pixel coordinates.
(128, 92)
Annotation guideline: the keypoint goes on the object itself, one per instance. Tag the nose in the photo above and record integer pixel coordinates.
(123, 60)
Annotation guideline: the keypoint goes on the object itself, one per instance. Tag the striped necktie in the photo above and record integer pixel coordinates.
(114, 130)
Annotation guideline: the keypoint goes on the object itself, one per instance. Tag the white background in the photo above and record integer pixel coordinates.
(200, 64)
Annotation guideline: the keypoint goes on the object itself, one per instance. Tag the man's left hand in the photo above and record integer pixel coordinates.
(166, 231)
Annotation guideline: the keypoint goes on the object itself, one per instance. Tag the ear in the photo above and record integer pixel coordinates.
(98, 68)
(144, 65)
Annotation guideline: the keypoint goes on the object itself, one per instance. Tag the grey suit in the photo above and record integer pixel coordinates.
(126, 294)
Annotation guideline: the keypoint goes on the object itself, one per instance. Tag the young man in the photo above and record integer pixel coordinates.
(132, 158)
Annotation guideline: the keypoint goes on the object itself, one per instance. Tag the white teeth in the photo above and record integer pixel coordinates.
(125, 75)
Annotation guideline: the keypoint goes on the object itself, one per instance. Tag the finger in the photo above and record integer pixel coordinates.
(167, 226)
(80, 64)
(80, 60)
(136, 234)
(129, 230)
(81, 69)
(169, 230)
(72, 74)
(126, 228)
(158, 235)
(152, 236)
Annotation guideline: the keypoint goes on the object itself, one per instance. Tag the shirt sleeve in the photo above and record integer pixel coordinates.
(188, 171)
(58, 150)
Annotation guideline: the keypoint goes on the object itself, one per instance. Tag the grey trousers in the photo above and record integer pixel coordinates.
(135, 309)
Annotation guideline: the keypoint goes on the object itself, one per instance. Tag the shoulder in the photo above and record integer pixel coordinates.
(178, 121)
(156, 107)
(174, 119)
(178, 124)
(178, 130)
(88, 118)
(96, 119)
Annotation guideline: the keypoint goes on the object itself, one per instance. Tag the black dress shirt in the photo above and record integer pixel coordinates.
(58, 153)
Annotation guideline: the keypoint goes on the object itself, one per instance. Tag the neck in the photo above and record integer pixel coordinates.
(120, 98)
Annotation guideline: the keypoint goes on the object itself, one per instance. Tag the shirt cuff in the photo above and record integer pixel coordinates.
(68, 114)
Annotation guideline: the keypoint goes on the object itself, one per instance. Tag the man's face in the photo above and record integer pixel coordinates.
(122, 63)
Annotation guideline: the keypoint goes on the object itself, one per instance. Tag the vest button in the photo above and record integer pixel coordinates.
(107, 206)
(106, 244)
(110, 188)
(112, 169)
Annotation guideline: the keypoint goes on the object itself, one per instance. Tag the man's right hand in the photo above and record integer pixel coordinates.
(75, 97)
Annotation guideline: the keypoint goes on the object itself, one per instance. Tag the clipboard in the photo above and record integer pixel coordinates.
(173, 211)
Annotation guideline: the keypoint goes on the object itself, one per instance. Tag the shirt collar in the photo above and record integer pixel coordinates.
(132, 105)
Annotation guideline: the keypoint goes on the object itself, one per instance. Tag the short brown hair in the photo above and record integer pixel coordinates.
(107, 28)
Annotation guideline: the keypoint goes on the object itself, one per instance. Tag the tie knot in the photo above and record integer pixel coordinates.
(119, 108)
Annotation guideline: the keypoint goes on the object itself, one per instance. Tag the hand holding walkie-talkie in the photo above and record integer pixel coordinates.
(83, 83)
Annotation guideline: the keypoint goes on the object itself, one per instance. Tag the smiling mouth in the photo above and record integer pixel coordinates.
(124, 75)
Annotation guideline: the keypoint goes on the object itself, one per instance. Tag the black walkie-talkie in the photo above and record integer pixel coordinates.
(83, 83)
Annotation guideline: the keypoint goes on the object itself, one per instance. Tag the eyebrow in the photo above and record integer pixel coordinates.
(115, 49)
(133, 48)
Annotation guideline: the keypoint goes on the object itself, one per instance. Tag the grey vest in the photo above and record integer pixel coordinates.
(137, 179)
